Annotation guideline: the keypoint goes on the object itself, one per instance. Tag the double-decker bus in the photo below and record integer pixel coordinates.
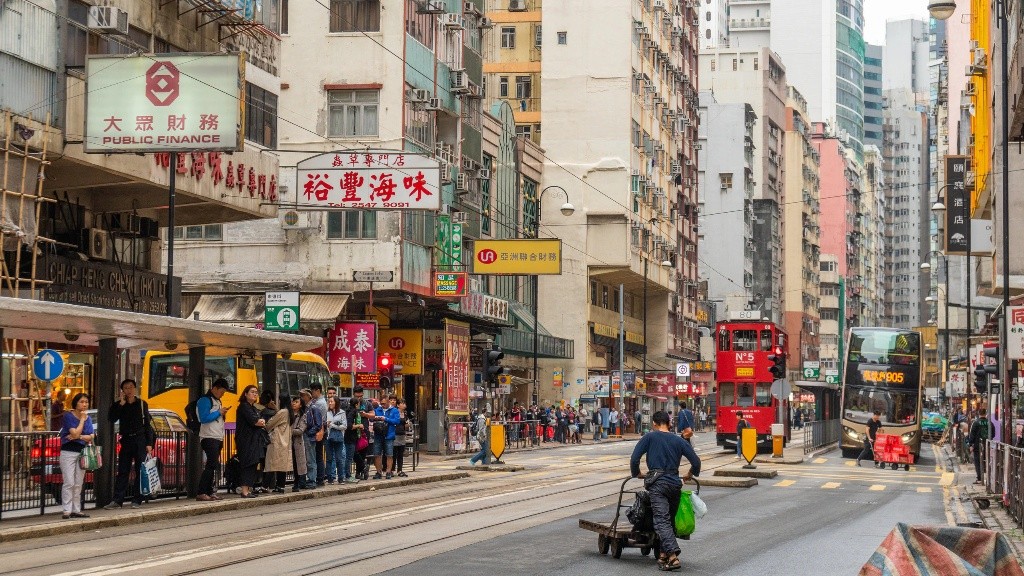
(745, 381)
(882, 372)
(165, 383)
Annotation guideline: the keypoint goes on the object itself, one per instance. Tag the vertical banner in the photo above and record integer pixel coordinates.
(444, 241)
(956, 205)
(456, 366)
(352, 347)
(455, 246)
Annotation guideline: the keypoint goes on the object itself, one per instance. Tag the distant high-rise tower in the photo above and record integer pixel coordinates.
(873, 96)
(713, 16)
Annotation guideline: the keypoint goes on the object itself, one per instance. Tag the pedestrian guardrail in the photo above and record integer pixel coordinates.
(821, 433)
(518, 435)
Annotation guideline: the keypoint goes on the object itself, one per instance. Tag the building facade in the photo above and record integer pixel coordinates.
(512, 62)
(714, 23)
(873, 96)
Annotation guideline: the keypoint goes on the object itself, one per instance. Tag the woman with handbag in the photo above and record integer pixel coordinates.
(76, 435)
(298, 428)
(279, 451)
(251, 439)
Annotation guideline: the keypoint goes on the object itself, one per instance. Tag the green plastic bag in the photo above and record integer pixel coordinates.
(684, 522)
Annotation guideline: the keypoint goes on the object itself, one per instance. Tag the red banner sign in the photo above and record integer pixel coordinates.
(352, 347)
(456, 366)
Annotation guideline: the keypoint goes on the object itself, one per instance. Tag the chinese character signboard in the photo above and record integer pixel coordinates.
(1015, 333)
(661, 383)
(370, 180)
(540, 256)
(957, 204)
(164, 103)
(485, 306)
(957, 380)
(352, 347)
(449, 284)
(405, 347)
(456, 366)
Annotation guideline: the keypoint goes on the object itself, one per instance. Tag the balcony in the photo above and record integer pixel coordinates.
(750, 23)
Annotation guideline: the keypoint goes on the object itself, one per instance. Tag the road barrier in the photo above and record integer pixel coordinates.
(518, 435)
(821, 433)
(1003, 471)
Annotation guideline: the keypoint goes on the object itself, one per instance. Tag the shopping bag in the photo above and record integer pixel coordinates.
(699, 507)
(90, 459)
(684, 522)
(149, 477)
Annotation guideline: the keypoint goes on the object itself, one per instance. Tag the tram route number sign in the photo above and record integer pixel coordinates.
(281, 311)
(812, 370)
(831, 376)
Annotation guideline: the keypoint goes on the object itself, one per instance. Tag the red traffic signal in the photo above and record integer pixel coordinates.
(384, 362)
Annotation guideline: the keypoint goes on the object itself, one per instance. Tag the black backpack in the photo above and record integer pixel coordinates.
(474, 429)
(641, 513)
(192, 416)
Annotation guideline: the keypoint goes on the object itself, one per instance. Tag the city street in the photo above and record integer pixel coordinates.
(522, 523)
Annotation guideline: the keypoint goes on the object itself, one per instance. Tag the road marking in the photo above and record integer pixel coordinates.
(924, 489)
(877, 487)
(820, 460)
(850, 463)
(831, 485)
(947, 479)
(785, 483)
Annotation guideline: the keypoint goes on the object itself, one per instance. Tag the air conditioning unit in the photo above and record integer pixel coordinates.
(460, 217)
(698, 146)
(483, 174)
(431, 7)
(150, 228)
(474, 91)
(696, 23)
(452, 20)
(107, 20)
(517, 5)
(676, 169)
(635, 172)
(468, 164)
(486, 22)
(96, 243)
(294, 220)
(126, 224)
(658, 5)
(434, 104)
(462, 182)
(418, 95)
(469, 8)
(460, 81)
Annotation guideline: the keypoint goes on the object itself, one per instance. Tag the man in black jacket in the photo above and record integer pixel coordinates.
(137, 439)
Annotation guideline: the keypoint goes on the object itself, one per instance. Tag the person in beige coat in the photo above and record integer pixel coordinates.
(279, 451)
(297, 415)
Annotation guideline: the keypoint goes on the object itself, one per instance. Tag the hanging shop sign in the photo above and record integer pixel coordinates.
(372, 180)
(449, 284)
(957, 204)
(456, 366)
(164, 103)
(88, 283)
(541, 256)
(485, 306)
(352, 347)
(406, 349)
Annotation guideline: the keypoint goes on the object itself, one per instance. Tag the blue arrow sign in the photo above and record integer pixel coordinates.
(47, 364)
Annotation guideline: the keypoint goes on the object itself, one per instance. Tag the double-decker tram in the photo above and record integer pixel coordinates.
(882, 372)
(746, 352)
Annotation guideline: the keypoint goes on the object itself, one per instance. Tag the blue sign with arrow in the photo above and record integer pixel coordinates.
(47, 364)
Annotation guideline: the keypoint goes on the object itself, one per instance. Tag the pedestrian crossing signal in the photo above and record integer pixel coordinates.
(778, 367)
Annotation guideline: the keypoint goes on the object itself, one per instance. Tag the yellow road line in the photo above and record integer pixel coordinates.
(820, 460)
(785, 483)
(877, 487)
(850, 463)
(924, 489)
(831, 485)
(947, 479)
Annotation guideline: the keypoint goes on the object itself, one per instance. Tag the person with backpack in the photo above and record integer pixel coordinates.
(206, 418)
(479, 429)
(981, 430)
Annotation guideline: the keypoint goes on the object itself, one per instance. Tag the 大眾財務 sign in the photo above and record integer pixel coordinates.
(164, 103)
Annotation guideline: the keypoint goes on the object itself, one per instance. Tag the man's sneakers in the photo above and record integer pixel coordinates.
(387, 476)
(113, 506)
(377, 476)
(858, 461)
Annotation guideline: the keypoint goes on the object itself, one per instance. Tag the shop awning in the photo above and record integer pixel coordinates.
(808, 384)
(55, 322)
(248, 308)
(662, 398)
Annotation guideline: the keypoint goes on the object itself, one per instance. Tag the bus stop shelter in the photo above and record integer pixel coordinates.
(112, 330)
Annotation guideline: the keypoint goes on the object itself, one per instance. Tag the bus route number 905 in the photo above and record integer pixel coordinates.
(883, 376)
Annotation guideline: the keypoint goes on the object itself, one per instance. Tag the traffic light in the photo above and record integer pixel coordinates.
(492, 367)
(385, 371)
(778, 367)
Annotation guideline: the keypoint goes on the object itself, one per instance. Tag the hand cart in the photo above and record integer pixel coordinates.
(617, 537)
(890, 449)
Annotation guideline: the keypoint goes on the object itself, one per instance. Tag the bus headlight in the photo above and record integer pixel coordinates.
(851, 433)
(906, 438)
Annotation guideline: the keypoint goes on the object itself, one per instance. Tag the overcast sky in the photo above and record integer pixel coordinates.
(877, 12)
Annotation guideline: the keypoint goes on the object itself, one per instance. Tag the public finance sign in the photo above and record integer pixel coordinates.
(542, 256)
(371, 180)
(164, 103)
(957, 210)
(406, 349)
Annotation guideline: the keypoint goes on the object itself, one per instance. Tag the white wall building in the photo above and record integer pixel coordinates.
(714, 23)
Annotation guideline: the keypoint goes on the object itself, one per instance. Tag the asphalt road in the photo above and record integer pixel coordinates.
(821, 517)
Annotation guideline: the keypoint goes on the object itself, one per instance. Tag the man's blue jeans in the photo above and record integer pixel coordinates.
(604, 432)
(336, 460)
(483, 455)
(310, 446)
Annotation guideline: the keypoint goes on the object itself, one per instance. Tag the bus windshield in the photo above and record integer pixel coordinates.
(897, 407)
(884, 347)
(170, 371)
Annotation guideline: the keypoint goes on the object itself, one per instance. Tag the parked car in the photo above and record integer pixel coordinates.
(169, 450)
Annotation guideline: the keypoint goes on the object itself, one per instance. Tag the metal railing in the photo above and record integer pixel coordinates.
(518, 436)
(820, 433)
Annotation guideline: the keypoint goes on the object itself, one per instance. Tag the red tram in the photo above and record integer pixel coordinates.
(744, 380)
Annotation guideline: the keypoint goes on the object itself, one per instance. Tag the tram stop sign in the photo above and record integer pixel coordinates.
(47, 365)
(282, 311)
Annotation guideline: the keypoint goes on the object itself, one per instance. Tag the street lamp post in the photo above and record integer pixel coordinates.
(567, 210)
